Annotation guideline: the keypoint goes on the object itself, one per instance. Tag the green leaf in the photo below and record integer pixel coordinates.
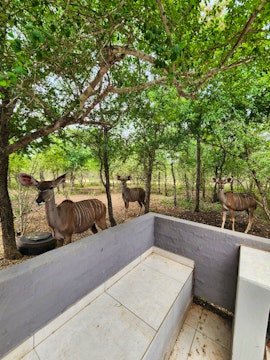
(39, 55)
(4, 83)
(182, 44)
(173, 56)
(37, 36)
(176, 49)
(17, 45)
(18, 70)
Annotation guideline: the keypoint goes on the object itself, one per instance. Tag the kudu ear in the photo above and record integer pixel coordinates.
(229, 180)
(118, 177)
(214, 179)
(61, 179)
(27, 180)
(128, 177)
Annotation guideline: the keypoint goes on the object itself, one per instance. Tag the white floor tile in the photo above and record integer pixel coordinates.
(205, 348)
(31, 356)
(118, 335)
(216, 328)
(21, 350)
(43, 333)
(147, 293)
(204, 335)
(183, 344)
(194, 316)
(168, 267)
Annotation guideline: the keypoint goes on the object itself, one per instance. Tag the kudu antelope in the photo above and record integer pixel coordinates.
(232, 202)
(68, 217)
(131, 194)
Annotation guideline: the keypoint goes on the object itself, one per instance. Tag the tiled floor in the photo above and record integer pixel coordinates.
(204, 335)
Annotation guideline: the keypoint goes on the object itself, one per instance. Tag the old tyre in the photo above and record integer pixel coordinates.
(36, 243)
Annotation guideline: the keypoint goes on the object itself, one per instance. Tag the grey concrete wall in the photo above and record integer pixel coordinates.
(36, 291)
(215, 252)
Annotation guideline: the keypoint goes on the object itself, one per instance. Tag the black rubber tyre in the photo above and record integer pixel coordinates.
(36, 243)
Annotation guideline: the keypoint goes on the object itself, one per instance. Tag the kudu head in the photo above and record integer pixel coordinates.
(222, 182)
(45, 188)
(123, 180)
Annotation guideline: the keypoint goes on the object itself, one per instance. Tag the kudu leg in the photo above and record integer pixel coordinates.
(102, 224)
(140, 208)
(60, 242)
(67, 239)
(250, 221)
(223, 219)
(126, 210)
(232, 214)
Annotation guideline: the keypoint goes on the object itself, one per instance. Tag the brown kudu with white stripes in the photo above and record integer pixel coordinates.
(232, 202)
(131, 194)
(68, 217)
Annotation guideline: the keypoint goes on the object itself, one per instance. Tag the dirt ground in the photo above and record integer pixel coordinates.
(159, 204)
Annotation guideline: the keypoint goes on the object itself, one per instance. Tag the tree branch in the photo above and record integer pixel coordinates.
(133, 52)
(244, 32)
(46, 130)
(213, 72)
(110, 58)
(164, 18)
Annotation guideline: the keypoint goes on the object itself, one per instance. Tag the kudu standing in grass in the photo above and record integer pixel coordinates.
(232, 202)
(69, 217)
(131, 194)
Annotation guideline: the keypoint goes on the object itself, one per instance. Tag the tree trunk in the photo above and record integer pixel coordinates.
(215, 192)
(187, 187)
(159, 190)
(107, 180)
(262, 193)
(174, 184)
(198, 177)
(6, 213)
(148, 172)
(203, 187)
(165, 182)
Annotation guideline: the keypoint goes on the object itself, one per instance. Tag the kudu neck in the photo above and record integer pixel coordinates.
(51, 209)
(124, 186)
(221, 193)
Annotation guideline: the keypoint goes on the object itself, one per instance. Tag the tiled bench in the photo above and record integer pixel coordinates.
(137, 314)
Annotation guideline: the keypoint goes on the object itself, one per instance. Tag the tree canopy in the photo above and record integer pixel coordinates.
(60, 60)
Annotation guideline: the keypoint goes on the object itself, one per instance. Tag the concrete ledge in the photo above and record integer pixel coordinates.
(252, 305)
